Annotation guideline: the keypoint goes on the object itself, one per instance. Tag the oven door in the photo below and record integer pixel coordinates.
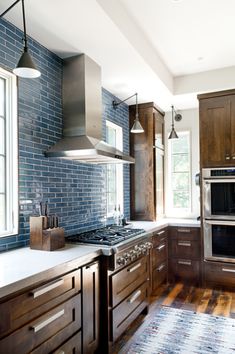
(219, 198)
(219, 240)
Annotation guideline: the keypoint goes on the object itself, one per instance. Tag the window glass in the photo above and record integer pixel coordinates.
(114, 183)
(179, 170)
(8, 155)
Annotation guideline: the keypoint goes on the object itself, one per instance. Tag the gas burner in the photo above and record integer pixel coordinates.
(110, 235)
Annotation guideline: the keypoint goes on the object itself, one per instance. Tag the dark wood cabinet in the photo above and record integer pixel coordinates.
(56, 316)
(159, 258)
(219, 275)
(217, 129)
(185, 254)
(90, 307)
(147, 179)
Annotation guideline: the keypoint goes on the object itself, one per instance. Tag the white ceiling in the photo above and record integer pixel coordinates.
(166, 50)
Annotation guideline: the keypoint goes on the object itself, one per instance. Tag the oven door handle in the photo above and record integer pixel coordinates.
(219, 180)
(220, 222)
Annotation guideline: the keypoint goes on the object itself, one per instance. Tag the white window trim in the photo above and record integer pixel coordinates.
(119, 170)
(12, 220)
(170, 211)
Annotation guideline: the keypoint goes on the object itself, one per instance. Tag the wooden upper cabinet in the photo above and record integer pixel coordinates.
(217, 129)
(148, 150)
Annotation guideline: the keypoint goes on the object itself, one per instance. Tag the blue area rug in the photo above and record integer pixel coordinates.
(175, 331)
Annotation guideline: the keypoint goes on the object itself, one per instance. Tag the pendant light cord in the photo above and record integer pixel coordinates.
(172, 117)
(24, 25)
(136, 105)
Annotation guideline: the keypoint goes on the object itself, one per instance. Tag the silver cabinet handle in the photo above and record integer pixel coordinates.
(184, 230)
(43, 324)
(227, 157)
(159, 248)
(161, 267)
(61, 352)
(185, 262)
(233, 157)
(44, 289)
(161, 232)
(132, 269)
(134, 297)
(228, 270)
(184, 243)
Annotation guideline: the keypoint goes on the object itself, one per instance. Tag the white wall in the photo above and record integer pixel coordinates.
(189, 122)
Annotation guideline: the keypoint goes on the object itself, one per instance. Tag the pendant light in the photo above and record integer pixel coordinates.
(137, 127)
(25, 67)
(173, 134)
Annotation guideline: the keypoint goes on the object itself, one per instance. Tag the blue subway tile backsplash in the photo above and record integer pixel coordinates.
(74, 191)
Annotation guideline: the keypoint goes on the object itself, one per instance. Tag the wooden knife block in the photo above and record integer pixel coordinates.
(45, 239)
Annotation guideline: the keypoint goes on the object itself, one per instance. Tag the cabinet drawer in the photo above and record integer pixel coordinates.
(185, 248)
(47, 331)
(159, 275)
(159, 237)
(159, 254)
(33, 303)
(185, 233)
(185, 269)
(221, 274)
(128, 310)
(128, 279)
(72, 346)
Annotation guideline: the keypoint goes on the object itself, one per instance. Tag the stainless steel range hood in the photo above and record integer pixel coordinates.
(82, 116)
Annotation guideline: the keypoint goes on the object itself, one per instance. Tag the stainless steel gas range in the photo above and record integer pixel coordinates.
(124, 277)
(124, 244)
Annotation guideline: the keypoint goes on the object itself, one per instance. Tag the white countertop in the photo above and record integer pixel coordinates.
(23, 267)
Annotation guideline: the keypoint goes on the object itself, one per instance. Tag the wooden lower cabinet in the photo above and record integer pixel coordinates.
(90, 307)
(159, 258)
(185, 255)
(57, 316)
(219, 275)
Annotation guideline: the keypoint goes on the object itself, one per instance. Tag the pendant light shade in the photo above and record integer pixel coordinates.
(173, 134)
(137, 127)
(25, 67)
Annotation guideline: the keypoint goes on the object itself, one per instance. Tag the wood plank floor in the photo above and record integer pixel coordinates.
(214, 302)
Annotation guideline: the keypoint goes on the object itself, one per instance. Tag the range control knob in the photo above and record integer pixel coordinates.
(127, 256)
(149, 245)
(121, 261)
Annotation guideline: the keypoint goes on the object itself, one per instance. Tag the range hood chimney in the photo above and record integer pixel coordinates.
(82, 116)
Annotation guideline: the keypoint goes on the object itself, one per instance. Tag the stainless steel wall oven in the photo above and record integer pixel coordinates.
(218, 197)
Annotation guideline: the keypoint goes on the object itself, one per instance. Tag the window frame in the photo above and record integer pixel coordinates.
(119, 169)
(11, 155)
(170, 210)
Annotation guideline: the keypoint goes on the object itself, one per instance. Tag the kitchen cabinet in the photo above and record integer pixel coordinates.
(185, 254)
(49, 317)
(219, 275)
(147, 174)
(159, 258)
(217, 129)
(90, 307)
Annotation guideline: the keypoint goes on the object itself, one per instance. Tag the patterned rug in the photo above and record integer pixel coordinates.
(175, 331)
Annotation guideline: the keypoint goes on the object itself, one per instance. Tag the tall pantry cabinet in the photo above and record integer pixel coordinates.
(147, 174)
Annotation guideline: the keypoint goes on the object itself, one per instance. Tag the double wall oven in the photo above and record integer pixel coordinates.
(218, 193)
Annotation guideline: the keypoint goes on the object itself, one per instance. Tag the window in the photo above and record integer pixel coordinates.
(8, 155)
(179, 175)
(114, 171)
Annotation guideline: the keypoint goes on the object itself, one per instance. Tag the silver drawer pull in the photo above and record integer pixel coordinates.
(130, 270)
(43, 324)
(61, 352)
(161, 267)
(161, 233)
(227, 157)
(134, 297)
(44, 289)
(159, 248)
(184, 230)
(185, 262)
(184, 243)
(228, 270)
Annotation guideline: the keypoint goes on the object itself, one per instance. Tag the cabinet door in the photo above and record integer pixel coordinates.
(215, 131)
(90, 307)
(232, 130)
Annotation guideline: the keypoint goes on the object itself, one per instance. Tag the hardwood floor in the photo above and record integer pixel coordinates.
(214, 302)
